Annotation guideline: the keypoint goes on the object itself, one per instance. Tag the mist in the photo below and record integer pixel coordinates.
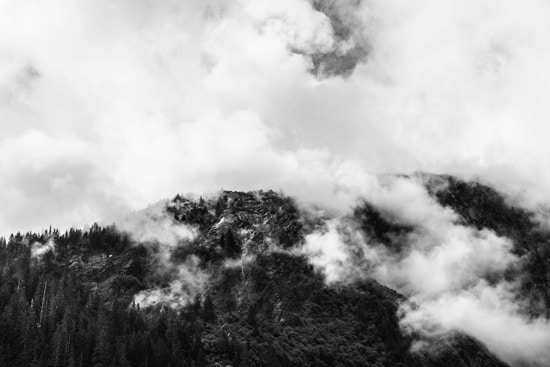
(38, 250)
(156, 230)
(453, 275)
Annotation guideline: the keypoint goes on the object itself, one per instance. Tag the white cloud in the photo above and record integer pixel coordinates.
(327, 252)
(40, 249)
(492, 315)
(155, 228)
(151, 98)
(452, 274)
(189, 284)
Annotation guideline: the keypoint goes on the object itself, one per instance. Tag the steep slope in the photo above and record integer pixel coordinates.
(262, 303)
(275, 301)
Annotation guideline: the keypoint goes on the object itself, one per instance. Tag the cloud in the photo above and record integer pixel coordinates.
(489, 313)
(458, 254)
(155, 225)
(189, 284)
(40, 249)
(327, 251)
(109, 106)
(350, 34)
(456, 278)
(156, 229)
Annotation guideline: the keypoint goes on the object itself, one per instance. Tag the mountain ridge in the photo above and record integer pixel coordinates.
(262, 303)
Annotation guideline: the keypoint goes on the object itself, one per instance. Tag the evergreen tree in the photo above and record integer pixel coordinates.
(208, 313)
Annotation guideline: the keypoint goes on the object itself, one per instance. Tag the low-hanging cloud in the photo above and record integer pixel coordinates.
(38, 249)
(453, 275)
(154, 224)
(189, 283)
(155, 228)
(492, 314)
(328, 252)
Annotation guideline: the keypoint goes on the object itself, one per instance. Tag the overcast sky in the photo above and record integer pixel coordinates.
(107, 106)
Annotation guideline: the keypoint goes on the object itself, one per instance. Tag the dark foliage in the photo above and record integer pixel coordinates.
(483, 207)
(379, 227)
(73, 306)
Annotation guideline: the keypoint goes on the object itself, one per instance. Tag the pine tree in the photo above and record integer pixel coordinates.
(208, 313)
(229, 244)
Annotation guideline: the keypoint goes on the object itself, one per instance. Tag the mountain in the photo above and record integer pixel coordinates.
(234, 288)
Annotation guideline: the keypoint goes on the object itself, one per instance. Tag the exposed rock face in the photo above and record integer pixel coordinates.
(262, 218)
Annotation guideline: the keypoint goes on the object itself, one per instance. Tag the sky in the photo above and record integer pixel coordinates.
(107, 106)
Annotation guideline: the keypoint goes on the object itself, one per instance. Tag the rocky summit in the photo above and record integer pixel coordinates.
(239, 289)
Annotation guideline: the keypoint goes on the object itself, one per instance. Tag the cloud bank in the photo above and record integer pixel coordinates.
(109, 106)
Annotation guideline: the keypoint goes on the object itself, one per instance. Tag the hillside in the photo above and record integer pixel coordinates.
(238, 292)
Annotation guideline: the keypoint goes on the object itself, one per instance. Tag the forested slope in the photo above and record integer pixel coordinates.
(73, 304)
